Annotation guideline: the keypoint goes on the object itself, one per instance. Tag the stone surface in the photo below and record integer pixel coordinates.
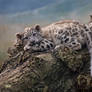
(61, 70)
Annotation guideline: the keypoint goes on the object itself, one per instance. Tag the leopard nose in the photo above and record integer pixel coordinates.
(32, 41)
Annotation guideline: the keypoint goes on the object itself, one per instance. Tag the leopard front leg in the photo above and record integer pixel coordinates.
(47, 45)
(74, 45)
(44, 45)
(33, 48)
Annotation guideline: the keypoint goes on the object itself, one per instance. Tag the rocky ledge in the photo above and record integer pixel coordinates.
(62, 70)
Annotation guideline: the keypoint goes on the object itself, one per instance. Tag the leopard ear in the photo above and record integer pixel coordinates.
(27, 29)
(37, 27)
(18, 35)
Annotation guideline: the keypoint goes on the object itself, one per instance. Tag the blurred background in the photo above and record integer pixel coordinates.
(17, 14)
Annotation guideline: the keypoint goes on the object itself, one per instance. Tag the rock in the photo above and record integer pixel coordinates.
(61, 70)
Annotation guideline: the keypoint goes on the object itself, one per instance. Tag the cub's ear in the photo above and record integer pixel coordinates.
(18, 35)
(37, 27)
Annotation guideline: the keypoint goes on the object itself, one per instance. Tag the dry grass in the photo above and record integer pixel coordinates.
(7, 37)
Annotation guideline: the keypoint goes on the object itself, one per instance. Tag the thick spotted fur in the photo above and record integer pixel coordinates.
(68, 33)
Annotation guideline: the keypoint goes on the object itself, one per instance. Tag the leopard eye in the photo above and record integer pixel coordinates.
(34, 34)
(26, 37)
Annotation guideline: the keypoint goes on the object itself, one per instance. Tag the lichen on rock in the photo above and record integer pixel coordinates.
(61, 70)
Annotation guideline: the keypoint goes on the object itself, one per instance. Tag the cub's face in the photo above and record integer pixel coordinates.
(30, 35)
(19, 40)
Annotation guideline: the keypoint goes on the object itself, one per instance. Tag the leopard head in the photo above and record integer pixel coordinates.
(30, 35)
